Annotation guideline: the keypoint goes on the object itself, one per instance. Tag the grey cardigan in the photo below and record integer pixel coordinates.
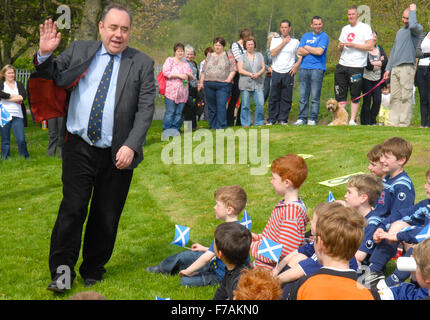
(245, 82)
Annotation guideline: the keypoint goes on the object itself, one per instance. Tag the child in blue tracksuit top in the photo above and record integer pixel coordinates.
(409, 291)
(398, 193)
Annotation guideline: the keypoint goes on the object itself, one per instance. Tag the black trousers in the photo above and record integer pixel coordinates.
(422, 80)
(88, 174)
(281, 97)
(371, 103)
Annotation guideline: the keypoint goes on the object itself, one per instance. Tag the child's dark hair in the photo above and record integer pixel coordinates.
(234, 241)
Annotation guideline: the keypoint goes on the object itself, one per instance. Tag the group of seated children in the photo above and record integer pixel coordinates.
(350, 245)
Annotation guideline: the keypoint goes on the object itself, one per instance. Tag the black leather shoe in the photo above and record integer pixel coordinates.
(54, 287)
(89, 282)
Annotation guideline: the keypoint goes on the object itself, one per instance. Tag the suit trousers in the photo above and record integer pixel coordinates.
(402, 88)
(281, 97)
(88, 174)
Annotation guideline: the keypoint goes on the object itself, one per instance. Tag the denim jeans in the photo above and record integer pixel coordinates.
(17, 126)
(245, 116)
(173, 115)
(173, 264)
(310, 81)
(217, 94)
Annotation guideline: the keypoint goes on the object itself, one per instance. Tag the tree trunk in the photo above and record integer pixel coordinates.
(91, 14)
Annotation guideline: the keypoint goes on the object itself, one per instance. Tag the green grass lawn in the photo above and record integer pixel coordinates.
(164, 195)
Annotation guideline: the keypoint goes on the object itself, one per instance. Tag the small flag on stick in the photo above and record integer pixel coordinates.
(182, 235)
(270, 249)
(246, 220)
(330, 197)
(5, 116)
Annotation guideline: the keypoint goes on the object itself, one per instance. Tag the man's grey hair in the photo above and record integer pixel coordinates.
(116, 6)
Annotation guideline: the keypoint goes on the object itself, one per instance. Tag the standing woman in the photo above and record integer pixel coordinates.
(13, 95)
(251, 82)
(177, 72)
(216, 80)
(422, 77)
(373, 73)
(190, 108)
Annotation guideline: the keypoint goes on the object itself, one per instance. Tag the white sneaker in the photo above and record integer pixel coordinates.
(300, 122)
(312, 122)
(352, 123)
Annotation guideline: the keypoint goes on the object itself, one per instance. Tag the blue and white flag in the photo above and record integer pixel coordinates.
(5, 116)
(182, 235)
(423, 234)
(330, 197)
(158, 298)
(246, 220)
(270, 249)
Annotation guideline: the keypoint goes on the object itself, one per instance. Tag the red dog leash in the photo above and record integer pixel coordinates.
(364, 94)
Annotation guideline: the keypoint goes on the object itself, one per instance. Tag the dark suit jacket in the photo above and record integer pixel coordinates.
(135, 92)
(22, 92)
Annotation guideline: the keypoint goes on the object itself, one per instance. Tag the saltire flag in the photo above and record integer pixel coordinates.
(158, 298)
(330, 197)
(270, 249)
(423, 234)
(408, 228)
(5, 116)
(182, 235)
(246, 220)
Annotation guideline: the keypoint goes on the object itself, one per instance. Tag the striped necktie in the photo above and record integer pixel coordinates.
(94, 131)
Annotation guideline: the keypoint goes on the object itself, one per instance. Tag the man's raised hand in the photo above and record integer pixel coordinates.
(49, 38)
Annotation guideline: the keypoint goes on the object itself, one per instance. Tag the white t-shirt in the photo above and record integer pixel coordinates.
(285, 60)
(359, 34)
(12, 107)
(425, 47)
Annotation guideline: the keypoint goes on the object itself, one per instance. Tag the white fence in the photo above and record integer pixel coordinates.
(23, 75)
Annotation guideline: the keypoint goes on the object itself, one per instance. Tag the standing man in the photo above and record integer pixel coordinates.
(283, 50)
(313, 48)
(110, 111)
(355, 40)
(401, 67)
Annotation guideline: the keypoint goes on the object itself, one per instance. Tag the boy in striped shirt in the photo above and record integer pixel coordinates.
(288, 221)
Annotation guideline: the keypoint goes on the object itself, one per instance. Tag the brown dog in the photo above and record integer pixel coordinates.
(340, 114)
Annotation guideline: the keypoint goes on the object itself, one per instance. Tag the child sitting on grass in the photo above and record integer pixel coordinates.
(197, 267)
(409, 291)
(338, 235)
(232, 241)
(287, 223)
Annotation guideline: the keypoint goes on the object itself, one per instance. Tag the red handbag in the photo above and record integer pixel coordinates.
(161, 83)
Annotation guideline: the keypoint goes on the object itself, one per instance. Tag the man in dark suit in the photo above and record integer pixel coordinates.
(112, 92)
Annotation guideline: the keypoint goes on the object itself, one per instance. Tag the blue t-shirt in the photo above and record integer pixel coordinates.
(312, 61)
(217, 264)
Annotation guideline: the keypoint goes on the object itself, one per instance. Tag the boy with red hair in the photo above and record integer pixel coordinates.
(287, 223)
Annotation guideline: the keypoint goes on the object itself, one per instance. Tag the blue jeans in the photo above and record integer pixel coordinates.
(310, 81)
(217, 94)
(173, 115)
(182, 260)
(245, 115)
(17, 126)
